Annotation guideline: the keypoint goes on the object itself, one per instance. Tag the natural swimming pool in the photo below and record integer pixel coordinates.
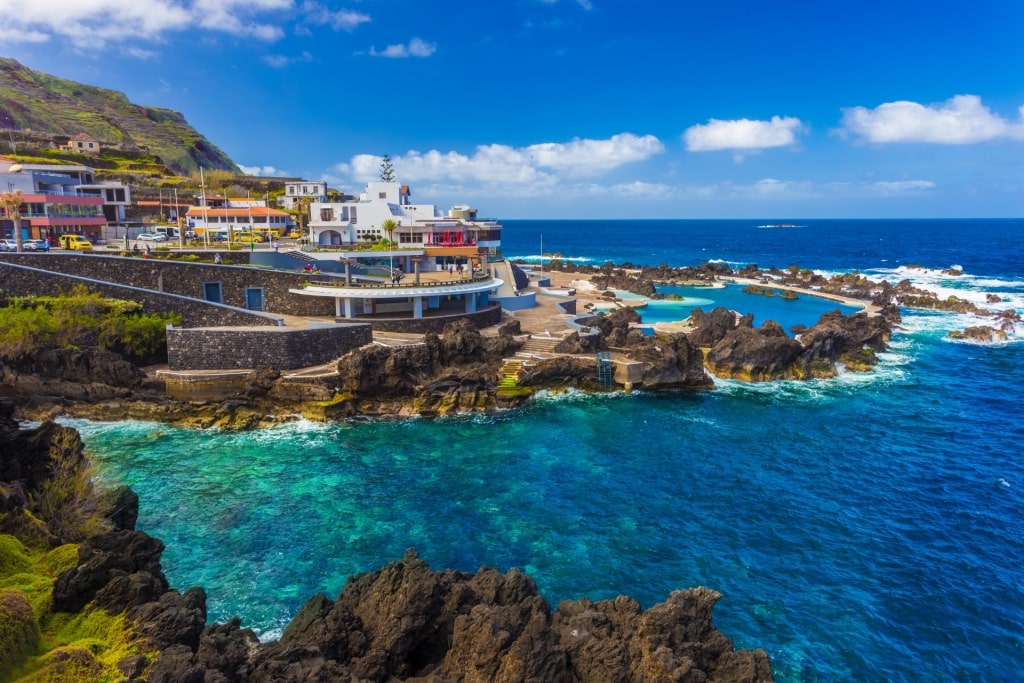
(804, 310)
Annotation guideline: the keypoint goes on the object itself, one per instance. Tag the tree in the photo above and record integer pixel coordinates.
(11, 201)
(387, 171)
(302, 207)
(389, 226)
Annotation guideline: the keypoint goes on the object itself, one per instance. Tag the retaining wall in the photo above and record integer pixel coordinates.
(186, 279)
(262, 347)
(18, 278)
(485, 317)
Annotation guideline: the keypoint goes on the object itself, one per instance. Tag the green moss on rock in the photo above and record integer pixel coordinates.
(18, 630)
(14, 557)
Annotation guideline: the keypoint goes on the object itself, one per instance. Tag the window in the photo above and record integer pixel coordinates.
(327, 214)
(382, 195)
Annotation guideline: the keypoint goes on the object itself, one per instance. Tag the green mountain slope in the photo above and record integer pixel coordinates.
(54, 106)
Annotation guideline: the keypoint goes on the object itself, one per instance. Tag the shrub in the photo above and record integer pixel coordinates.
(80, 318)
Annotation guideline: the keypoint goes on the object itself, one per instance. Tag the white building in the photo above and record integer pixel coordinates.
(457, 232)
(315, 190)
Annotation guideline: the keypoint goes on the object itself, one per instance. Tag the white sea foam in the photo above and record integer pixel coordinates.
(538, 258)
(888, 372)
(941, 323)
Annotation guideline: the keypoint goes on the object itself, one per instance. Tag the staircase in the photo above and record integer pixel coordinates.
(297, 254)
(508, 375)
(540, 345)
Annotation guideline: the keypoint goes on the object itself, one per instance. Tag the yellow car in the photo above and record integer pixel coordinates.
(75, 242)
(248, 237)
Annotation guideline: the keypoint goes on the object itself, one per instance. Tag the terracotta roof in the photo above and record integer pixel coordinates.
(244, 211)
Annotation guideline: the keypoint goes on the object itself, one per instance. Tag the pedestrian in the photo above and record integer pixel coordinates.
(148, 249)
(216, 259)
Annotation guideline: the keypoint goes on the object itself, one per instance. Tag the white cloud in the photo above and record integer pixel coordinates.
(742, 134)
(264, 171)
(593, 156)
(533, 165)
(139, 53)
(281, 61)
(895, 187)
(961, 120)
(93, 23)
(415, 48)
(342, 20)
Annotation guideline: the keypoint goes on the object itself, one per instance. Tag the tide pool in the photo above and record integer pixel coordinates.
(805, 310)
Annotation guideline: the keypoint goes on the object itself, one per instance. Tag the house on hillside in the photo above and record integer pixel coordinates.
(53, 201)
(83, 143)
(314, 190)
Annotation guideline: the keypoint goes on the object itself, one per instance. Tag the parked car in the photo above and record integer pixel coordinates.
(248, 237)
(151, 237)
(75, 242)
(8, 245)
(35, 245)
(191, 235)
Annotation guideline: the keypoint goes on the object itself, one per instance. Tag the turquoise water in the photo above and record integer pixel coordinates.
(806, 310)
(863, 528)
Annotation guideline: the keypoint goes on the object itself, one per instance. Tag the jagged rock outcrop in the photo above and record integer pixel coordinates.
(670, 362)
(755, 355)
(711, 328)
(851, 340)
(740, 351)
(406, 622)
(456, 370)
(579, 372)
(982, 334)
(118, 570)
(59, 376)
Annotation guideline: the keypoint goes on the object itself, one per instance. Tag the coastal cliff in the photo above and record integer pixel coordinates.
(84, 598)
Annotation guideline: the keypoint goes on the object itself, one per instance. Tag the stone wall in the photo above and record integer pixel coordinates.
(485, 317)
(186, 279)
(262, 347)
(19, 279)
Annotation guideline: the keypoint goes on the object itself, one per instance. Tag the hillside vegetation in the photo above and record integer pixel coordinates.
(55, 107)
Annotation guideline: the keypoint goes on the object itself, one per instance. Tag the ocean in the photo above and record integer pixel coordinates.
(864, 528)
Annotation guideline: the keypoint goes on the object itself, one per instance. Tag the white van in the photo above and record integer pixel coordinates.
(170, 232)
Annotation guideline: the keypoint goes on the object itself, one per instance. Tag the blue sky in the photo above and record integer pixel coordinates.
(581, 108)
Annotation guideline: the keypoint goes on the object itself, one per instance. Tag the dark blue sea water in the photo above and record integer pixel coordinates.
(866, 528)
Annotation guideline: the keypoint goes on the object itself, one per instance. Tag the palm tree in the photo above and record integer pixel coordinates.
(302, 217)
(389, 226)
(11, 201)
